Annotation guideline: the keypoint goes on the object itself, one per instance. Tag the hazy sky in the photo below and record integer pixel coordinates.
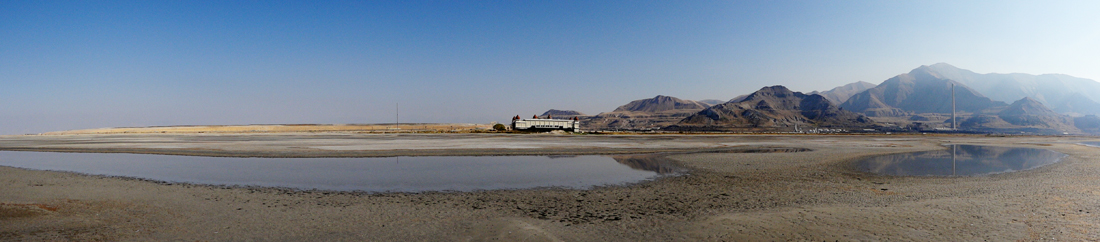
(91, 64)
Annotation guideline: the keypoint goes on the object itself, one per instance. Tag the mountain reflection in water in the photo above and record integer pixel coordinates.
(384, 174)
(960, 160)
(654, 163)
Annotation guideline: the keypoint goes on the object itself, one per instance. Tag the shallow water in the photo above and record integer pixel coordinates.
(393, 174)
(960, 160)
(1091, 143)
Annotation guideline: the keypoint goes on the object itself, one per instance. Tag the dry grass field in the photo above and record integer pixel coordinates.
(290, 128)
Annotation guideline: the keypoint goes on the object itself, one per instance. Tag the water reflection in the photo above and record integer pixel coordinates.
(406, 174)
(960, 160)
(1091, 143)
(654, 163)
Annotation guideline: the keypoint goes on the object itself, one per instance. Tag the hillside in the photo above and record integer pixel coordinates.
(919, 91)
(644, 114)
(1088, 124)
(1024, 115)
(660, 103)
(1026, 111)
(1076, 104)
(1062, 93)
(773, 108)
(561, 113)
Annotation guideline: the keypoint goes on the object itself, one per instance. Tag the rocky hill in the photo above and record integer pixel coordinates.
(659, 104)
(919, 91)
(773, 108)
(561, 113)
(645, 114)
(1024, 115)
(1027, 111)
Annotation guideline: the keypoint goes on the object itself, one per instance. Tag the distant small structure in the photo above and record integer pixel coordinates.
(545, 124)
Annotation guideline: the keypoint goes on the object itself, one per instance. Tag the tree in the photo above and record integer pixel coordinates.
(499, 127)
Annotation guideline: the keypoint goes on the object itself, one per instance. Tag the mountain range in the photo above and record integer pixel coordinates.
(920, 100)
(1062, 93)
(773, 108)
(919, 91)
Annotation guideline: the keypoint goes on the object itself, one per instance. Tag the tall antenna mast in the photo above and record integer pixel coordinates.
(954, 122)
(397, 118)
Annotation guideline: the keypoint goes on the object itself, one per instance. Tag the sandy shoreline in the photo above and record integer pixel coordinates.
(731, 196)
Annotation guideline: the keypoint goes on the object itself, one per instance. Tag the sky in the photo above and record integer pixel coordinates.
(91, 64)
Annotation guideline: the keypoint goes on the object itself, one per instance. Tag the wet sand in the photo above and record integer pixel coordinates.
(740, 187)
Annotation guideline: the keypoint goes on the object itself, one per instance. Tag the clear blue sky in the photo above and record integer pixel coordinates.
(90, 64)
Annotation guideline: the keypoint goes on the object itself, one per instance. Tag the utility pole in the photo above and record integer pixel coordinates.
(397, 118)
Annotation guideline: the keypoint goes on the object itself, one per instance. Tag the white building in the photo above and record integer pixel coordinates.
(537, 124)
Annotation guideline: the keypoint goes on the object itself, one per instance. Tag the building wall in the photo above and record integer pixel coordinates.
(545, 124)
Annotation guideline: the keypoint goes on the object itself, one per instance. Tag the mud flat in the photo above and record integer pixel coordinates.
(740, 187)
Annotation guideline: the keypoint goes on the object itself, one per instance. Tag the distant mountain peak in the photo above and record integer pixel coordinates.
(925, 72)
(943, 65)
(562, 113)
(859, 83)
(1028, 112)
(660, 103)
(772, 91)
(644, 114)
(1027, 106)
(841, 94)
